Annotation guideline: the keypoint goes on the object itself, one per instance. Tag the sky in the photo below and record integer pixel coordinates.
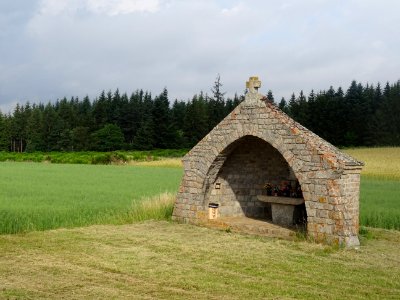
(50, 49)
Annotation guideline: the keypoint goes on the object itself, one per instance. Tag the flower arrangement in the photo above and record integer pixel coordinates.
(284, 189)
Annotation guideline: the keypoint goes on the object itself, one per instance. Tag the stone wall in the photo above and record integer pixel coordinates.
(329, 178)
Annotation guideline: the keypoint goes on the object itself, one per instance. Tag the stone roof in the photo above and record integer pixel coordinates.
(318, 143)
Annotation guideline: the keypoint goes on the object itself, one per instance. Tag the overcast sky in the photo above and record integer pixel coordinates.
(55, 48)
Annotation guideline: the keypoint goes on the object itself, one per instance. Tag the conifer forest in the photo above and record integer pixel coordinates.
(361, 115)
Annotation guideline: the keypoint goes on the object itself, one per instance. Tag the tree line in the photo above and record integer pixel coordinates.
(361, 116)
(114, 121)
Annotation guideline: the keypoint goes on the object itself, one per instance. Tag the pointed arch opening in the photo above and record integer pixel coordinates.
(240, 175)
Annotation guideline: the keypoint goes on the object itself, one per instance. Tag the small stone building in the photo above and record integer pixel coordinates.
(258, 144)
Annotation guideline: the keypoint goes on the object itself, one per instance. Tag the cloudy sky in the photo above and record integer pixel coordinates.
(55, 48)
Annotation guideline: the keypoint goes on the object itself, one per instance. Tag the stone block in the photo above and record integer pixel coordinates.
(322, 213)
(311, 212)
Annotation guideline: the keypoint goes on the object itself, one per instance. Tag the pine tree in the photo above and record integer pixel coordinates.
(4, 140)
(145, 136)
(293, 108)
(178, 112)
(357, 115)
(165, 137)
(85, 115)
(302, 114)
(144, 139)
(133, 117)
(195, 122)
(216, 104)
(34, 134)
(51, 128)
(18, 129)
(270, 96)
(283, 105)
(385, 124)
(100, 111)
(237, 100)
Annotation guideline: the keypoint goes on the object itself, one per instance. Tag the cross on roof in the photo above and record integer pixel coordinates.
(253, 84)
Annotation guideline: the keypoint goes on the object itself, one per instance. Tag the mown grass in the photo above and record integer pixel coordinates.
(90, 157)
(46, 196)
(162, 260)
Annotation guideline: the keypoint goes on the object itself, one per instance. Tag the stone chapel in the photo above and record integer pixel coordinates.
(260, 164)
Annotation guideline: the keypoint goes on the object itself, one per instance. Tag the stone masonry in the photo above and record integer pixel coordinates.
(258, 143)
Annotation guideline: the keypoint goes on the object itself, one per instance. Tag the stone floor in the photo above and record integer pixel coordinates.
(253, 226)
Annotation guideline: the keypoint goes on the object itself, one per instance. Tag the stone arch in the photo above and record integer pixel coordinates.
(239, 176)
(329, 178)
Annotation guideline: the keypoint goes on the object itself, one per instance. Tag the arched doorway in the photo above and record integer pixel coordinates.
(250, 164)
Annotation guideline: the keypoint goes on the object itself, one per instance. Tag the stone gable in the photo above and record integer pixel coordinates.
(258, 143)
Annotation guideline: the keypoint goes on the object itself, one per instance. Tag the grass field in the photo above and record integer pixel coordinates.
(380, 203)
(162, 260)
(380, 163)
(45, 196)
(380, 186)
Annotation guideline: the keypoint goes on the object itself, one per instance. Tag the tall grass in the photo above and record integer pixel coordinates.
(380, 163)
(380, 203)
(90, 157)
(157, 207)
(164, 163)
(46, 196)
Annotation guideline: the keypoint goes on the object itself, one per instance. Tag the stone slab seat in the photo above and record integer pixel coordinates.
(282, 208)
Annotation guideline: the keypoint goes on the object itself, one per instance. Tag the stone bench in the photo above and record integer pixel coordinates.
(282, 208)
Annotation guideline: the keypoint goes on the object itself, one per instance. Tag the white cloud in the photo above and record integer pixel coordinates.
(234, 10)
(53, 7)
(106, 7)
(117, 7)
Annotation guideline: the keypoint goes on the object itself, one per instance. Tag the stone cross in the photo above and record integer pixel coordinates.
(253, 85)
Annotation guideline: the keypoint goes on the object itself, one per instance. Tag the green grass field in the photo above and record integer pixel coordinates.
(380, 203)
(165, 260)
(39, 196)
(380, 186)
